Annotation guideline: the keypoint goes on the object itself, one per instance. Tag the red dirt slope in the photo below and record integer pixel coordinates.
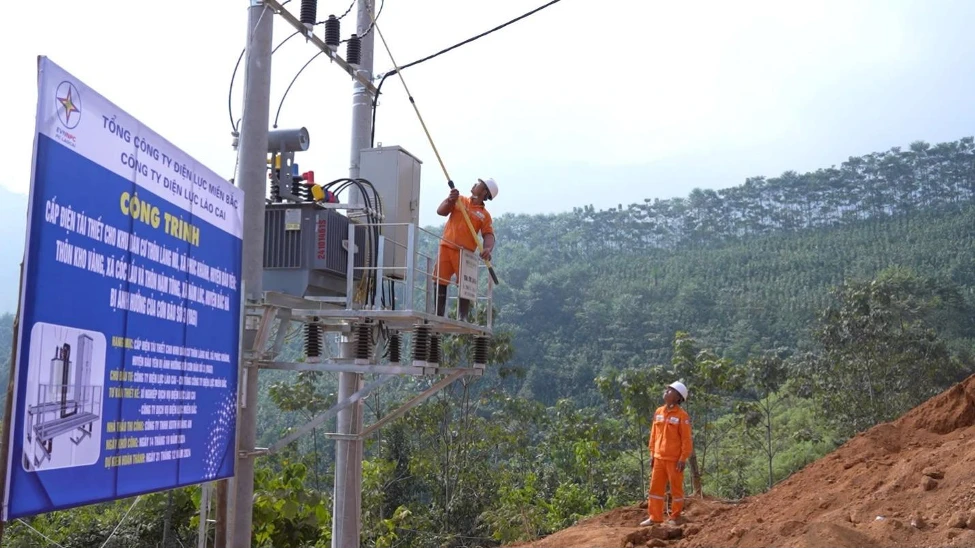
(907, 483)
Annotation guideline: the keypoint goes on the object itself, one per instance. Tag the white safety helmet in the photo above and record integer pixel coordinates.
(493, 188)
(681, 389)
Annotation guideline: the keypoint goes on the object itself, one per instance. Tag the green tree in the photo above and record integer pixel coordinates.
(711, 381)
(878, 356)
(288, 513)
(765, 375)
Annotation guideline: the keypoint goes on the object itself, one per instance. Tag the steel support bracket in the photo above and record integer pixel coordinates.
(260, 451)
(345, 437)
(416, 400)
(280, 10)
(331, 412)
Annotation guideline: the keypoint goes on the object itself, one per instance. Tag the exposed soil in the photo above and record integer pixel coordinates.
(907, 483)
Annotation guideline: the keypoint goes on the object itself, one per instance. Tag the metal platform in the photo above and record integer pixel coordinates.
(405, 303)
(335, 315)
(403, 295)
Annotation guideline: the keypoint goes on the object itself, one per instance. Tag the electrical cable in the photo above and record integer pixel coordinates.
(459, 205)
(372, 23)
(282, 43)
(294, 78)
(121, 521)
(349, 9)
(374, 209)
(230, 87)
(446, 50)
(42, 535)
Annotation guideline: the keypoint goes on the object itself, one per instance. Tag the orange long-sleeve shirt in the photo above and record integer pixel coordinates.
(671, 434)
(456, 232)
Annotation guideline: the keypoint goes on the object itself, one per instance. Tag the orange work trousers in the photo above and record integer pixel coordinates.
(665, 471)
(449, 263)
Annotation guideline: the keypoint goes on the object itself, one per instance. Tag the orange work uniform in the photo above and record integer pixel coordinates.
(670, 443)
(457, 235)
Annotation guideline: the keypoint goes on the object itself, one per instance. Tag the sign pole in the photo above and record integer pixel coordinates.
(8, 404)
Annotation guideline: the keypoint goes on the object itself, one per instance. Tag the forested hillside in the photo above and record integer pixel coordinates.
(744, 269)
(848, 289)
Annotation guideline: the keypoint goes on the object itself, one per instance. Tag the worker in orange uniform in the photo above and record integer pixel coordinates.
(670, 446)
(456, 234)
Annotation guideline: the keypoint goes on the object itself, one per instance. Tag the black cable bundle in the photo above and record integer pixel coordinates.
(374, 210)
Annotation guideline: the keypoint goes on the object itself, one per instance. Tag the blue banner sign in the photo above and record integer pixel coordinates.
(126, 367)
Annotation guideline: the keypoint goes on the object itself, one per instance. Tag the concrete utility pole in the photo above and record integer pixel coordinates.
(252, 152)
(349, 452)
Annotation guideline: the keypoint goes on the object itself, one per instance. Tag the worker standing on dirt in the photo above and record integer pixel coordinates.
(670, 445)
(457, 235)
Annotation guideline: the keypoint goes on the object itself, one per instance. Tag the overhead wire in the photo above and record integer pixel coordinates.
(392, 72)
(347, 182)
(349, 9)
(290, 84)
(42, 535)
(320, 52)
(372, 23)
(460, 207)
(230, 87)
(121, 521)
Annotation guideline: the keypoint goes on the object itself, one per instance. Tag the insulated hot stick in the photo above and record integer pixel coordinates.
(451, 184)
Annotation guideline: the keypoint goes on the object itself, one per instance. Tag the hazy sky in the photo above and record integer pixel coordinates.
(583, 103)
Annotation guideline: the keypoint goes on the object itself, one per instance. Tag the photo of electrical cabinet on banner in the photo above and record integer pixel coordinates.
(125, 377)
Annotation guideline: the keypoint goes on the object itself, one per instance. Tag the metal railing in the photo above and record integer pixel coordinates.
(404, 275)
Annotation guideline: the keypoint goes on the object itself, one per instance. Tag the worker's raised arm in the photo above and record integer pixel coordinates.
(448, 204)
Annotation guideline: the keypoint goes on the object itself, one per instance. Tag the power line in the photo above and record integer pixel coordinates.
(121, 521)
(294, 78)
(372, 23)
(230, 88)
(307, 63)
(42, 535)
(349, 9)
(376, 96)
